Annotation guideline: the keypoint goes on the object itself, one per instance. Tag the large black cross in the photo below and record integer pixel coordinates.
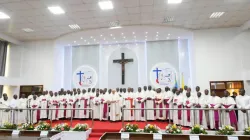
(123, 61)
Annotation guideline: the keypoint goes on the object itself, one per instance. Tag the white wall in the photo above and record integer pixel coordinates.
(220, 54)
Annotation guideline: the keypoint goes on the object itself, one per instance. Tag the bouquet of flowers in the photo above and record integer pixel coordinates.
(247, 131)
(197, 129)
(8, 125)
(225, 130)
(27, 126)
(149, 128)
(173, 129)
(43, 126)
(81, 127)
(62, 127)
(130, 128)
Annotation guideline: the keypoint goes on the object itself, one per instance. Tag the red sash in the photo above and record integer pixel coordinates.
(216, 117)
(167, 106)
(142, 106)
(43, 99)
(160, 105)
(232, 115)
(188, 112)
(179, 109)
(34, 106)
(200, 115)
(131, 105)
(91, 98)
(105, 108)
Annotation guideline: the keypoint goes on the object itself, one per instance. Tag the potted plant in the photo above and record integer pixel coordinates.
(226, 130)
(149, 128)
(173, 129)
(197, 129)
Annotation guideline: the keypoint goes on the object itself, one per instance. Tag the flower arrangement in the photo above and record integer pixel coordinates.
(173, 129)
(8, 125)
(62, 127)
(197, 129)
(225, 130)
(149, 128)
(43, 126)
(130, 128)
(247, 131)
(81, 127)
(27, 126)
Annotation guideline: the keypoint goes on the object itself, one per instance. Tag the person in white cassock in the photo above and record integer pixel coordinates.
(14, 111)
(188, 103)
(77, 98)
(22, 104)
(50, 104)
(96, 106)
(159, 103)
(214, 115)
(92, 95)
(229, 116)
(34, 104)
(83, 104)
(206, 97)
(168, 103)
(243, 102)
(149, 96)
(70, 105)
(44, 104)
(115, 106)
(139, 104)
(200, 114)
(128, 103)
(177, 104)
(63, 104)
(4, 114)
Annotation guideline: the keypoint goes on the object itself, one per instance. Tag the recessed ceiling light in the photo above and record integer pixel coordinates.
(122, 33)
(105, 4)
(104, 39)
(94, 39)
(4, 16)
(81, 38)
(84, 40)
(133, 32)
(88, 42)
(156, 38)
(74, 41)
(179, 37)
(216, 14)
(168, 19)
(146, 39)
(174, 1)
(91, 36)
(57, 10)
(146, 32)
(146, 36)
(124, 37)
(136, 44)
(168, 34)
(74, 26)
(111, 35)
(157, 32)
(28, 30)
(100, 35)
(167, 37)
(134, 36)
(156, 35)
(116, 41)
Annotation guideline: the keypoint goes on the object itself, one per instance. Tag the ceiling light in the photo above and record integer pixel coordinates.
(122, 33)
(104, 39)
(157, 32)
(156, 35)
(133, 32)
(4, 16)
(91, 37)
(84, 40)
(124, 37)
(81, 38)
(168, 34)
(156, 38)
(94, 39)
(105, 4)
(146, 36)
(168, 19)
(174, 1)
(88, 42)
(216, 14)
(179, 37)
(74, 41)
(134, 36)
(114, 38)
(100, 35)
(74, 26)
(167, 37)
(111, 35)
(28, 30)
(56, 10)
(146, 32)
(116, 41)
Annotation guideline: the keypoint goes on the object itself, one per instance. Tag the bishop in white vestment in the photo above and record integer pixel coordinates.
(177, 114)
(115, 106)
(188, 115)
(149, 96)
(22, 104)
(168, 103)
(139, 104)
(159, 103)
(229, 116)
(96, 106)
(200, 114)
(243, 102)
(4, 114)
(63, 104)
(14, 111)
(44, 105)
(34, 104)
(128, 103)
(214, 115)
(70, 105)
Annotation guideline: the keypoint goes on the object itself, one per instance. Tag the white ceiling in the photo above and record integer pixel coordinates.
(190, 14)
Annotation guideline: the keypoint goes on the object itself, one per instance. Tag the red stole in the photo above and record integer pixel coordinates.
(131, 104)
(85, 105)
(179, 109)
(188, 112)
(57, 106)
(105, 108)
(65, 106)
(232, 116)
(200, 114)
(160, 105)
(167, 106)
(142, 106)
(216, 117)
